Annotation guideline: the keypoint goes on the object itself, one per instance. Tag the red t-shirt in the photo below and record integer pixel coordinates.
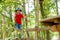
(18, 18)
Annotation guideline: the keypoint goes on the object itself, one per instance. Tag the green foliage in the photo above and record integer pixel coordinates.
(8, 7)
(48, 5)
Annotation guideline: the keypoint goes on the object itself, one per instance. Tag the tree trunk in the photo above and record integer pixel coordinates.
(57, 7)
(42, 13)
(41, 9)
(25, 18)
(59, 35)
(10, 24)
(47, 35)
(37, 18)
(3, 24)
(57, 13)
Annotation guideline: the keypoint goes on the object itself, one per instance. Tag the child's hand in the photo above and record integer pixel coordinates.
(28, 15)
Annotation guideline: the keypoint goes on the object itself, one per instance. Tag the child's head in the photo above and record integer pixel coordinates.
(18, 10)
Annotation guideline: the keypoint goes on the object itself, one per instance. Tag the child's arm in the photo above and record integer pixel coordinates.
(26, 16)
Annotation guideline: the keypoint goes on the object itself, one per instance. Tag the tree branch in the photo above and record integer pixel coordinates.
(4, 15)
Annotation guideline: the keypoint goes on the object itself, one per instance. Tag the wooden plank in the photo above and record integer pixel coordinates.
(57, 20)
(38, 29)
(52, 28)
(55, 28)
(51, 19)
(58, 26)
(48, 24)
(33, 29)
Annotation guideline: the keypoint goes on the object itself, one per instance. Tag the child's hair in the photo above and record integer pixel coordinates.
(18, 10)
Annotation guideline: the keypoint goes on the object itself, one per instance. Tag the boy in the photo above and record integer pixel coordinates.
(18, 20)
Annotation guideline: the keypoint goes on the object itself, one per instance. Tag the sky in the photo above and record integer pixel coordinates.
(31, 6)
(59, 6)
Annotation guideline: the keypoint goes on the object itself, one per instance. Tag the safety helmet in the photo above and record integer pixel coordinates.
(18, 9)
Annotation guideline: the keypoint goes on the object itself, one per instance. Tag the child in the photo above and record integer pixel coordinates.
(18, 20)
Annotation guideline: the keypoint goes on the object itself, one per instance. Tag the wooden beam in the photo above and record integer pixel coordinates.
(55, 28)
(57, 20)
(38, 29)
(51, 19)
(33, 29)
(4, 15)
(47, 24)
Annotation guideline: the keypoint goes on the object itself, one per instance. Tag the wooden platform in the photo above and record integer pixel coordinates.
(53, 22)
(55, 19)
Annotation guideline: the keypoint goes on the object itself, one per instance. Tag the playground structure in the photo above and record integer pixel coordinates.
(52, 23)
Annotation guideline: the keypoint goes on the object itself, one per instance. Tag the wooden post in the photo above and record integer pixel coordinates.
(42, 12)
